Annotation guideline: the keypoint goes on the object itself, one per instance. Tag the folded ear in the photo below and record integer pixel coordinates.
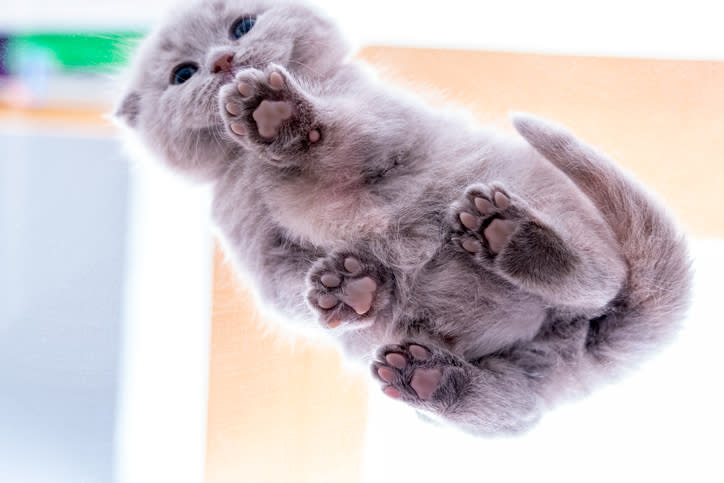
(128, 109)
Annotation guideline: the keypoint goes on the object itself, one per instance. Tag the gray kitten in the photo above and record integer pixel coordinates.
(483, 276)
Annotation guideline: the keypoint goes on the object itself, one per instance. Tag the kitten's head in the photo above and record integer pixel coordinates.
(171, 101)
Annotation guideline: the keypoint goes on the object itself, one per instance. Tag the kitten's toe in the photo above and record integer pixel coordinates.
(276, 80)
(233, 108)
(238, 128)
(245, 88)
(348, 291)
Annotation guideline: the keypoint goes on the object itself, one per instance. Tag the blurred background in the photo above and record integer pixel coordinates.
(129, 353)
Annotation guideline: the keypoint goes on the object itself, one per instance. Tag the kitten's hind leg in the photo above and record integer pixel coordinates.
(500, 231)
(420, 375)
(448, 388)
(501, 393)
(348, 290)
(503, 234)
(269, 112)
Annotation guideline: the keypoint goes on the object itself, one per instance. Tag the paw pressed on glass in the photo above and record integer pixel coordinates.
(418, 374)
(267, 108)
(485, 220)
(347, 289)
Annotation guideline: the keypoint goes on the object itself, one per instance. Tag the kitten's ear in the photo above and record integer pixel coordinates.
(128, 109)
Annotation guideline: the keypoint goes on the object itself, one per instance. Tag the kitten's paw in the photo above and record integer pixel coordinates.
(423, 376)
(348, 290)
(502, 233)
(268, 110)
(485, 220)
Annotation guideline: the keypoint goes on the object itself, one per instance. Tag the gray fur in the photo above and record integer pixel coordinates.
(572, 271)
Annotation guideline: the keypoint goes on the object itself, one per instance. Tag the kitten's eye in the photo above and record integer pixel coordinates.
(182, 73)
(242, 27)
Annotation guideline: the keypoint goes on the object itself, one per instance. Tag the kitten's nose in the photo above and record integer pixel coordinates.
(223, 64)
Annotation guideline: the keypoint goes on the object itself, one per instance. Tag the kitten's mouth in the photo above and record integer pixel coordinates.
(228, 77)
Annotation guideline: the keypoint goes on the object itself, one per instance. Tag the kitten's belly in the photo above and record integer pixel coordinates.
(328, 217)
(473, 312)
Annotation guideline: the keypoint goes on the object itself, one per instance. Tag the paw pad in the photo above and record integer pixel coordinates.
(270, 115)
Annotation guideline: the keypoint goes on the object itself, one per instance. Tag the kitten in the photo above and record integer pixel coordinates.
(482, 276)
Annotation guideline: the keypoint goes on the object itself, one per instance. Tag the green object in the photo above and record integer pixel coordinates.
(80, 52)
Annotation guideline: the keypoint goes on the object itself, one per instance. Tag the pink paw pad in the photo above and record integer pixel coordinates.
(396, 360)
(327, 301)
(392, 392)
(330, 280)
(501, 201)
(359, 294)
(233, 109)
(472, 246)
(484, 206)
(419, 352)
(246, 90)
(238, 128)
(425, 382)
(471, 222)
(270, 115)
(386, 374)
(498, 234)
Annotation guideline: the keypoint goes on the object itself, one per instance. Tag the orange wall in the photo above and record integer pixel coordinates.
(288, 413)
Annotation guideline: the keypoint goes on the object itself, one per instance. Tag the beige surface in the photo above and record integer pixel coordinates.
(279, 409)
(278, 414)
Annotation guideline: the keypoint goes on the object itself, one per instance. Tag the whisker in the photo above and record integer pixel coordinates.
(301, 64)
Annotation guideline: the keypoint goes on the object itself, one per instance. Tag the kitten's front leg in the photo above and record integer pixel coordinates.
(268, 111)
(349, 290)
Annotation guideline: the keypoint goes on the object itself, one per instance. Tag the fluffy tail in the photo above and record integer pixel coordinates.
(652, 303)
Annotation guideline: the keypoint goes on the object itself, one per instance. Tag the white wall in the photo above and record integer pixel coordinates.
(63, 216)
(649, 28)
